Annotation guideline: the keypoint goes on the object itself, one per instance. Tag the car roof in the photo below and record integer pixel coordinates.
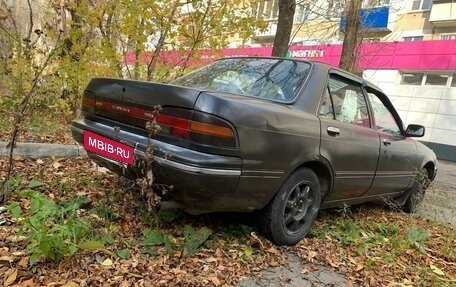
(351, 76)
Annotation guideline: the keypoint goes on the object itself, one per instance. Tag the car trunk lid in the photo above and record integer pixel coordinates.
(133, 102)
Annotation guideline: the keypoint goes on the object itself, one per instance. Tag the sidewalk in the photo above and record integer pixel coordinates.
(38, 150)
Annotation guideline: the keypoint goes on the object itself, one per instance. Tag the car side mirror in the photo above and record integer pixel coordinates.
(414, 131)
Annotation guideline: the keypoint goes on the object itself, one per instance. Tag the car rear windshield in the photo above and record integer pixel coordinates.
(274, 79)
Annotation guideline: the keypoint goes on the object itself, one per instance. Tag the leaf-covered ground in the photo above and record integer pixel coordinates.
(371, 246)
(38, 129)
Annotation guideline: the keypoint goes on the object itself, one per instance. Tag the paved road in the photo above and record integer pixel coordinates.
(292, 275)
(446, 176)
(440, 201)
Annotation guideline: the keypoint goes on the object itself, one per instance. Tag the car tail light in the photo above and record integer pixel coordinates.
(197, 127)
(88, 103)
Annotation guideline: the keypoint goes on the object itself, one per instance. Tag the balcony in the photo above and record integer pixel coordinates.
(443, 14)
(374, 21)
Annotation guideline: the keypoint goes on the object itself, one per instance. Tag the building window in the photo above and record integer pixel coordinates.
(421, 4)
(412, 79)
(448, 36)
(428, 79)
(269, 9)
(372, 40)
(302, 13)
(436, 80)
(412, 38)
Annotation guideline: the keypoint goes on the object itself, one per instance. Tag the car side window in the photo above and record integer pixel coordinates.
(350, 105)
(384, 119)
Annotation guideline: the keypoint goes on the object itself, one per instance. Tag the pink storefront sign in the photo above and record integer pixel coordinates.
(419, 55)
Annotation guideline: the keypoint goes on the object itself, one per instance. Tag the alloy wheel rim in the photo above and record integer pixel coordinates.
(298, 207)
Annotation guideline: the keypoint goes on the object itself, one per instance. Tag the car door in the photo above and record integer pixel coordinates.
(347, 140)
(397, 162)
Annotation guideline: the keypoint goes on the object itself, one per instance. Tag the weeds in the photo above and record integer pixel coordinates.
(105, 212)
(193, 239)
(53, 229)
(416, 237)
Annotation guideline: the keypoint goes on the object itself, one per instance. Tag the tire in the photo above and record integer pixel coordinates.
(291, 213)
(417, 193)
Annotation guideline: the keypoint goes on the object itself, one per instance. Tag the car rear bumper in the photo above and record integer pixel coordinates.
(201, 181)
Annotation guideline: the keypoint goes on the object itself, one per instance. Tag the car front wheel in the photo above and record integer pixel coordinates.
(290, 215)
(417, 193)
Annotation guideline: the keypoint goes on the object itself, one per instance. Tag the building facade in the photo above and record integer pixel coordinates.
(424, 90)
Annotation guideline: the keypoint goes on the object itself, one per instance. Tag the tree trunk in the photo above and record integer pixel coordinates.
(161, 43)
(284, 27)
(350, 45)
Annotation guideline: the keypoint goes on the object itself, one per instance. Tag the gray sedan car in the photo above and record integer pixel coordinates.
(282, 137)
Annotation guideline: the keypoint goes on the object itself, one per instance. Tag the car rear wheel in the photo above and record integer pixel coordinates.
(418, 192)
(290, 215)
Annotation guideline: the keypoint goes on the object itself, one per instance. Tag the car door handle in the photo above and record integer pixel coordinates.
(386, 141)
(333, 131)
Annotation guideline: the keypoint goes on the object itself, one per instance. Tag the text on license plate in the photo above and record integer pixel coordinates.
(108, 148)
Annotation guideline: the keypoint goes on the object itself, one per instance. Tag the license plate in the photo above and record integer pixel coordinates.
(108, 148)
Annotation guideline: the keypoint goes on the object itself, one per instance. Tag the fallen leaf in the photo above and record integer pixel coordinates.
(91, 245)
(18, 253)
(272, 250)
(436, 270)
(274, 263)
(11, 278)
(58, 283)
(333, 262)
(210, 260)
(215, 281)
(15, 238)
(312, 254)
(124, 284)
(28, 283)
(25, 203)
(352, 260)
(305, 271)
(23, 263)
(71, 284)
(107, 262)
(248, 251)
(359, 267)
(135, 275)
(7, 258)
